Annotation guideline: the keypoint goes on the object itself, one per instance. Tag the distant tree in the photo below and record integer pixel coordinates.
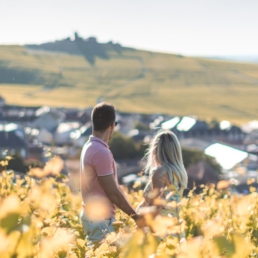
(214, 123)
(17, 164)
(141, 126)
(191, 157)
(124, 147)
(32, 163)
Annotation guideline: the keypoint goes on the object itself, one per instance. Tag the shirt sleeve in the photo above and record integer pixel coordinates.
(102, 162)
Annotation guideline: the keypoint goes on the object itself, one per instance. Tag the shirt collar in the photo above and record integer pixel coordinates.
(94, 138)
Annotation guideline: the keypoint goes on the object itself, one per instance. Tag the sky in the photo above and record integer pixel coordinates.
(188, 27)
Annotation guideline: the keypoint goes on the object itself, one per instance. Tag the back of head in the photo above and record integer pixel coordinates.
(102, 116)
(165, 151)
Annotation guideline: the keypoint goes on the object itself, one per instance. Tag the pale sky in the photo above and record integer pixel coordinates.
(188, 27)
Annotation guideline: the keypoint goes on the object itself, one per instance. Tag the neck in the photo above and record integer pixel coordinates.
(104, 136)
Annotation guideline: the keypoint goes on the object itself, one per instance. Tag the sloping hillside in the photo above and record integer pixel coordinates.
(134, 80)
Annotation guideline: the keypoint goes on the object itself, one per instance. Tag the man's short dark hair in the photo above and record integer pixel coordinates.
(103, 115)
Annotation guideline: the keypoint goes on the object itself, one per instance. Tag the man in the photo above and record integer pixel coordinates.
(99, 177)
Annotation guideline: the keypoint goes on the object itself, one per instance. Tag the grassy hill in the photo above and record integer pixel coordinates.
(134, 80)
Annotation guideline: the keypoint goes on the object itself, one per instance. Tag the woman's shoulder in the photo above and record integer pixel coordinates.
(158, 173)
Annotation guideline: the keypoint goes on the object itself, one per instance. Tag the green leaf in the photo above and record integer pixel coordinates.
(62, 254)
(10, 222)
(224, 246)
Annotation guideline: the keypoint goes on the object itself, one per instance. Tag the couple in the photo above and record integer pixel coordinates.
(99, 177)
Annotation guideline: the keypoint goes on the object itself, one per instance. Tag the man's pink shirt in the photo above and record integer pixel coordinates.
(96, 160)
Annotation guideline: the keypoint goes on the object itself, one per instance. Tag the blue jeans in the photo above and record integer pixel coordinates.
(96, 230)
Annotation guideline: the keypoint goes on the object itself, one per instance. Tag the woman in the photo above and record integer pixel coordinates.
(167, 175)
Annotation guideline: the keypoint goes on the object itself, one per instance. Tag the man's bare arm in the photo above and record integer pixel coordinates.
(115, 195)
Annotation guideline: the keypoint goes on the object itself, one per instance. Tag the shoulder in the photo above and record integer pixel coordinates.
(102, 152)
(95, 151)
(92, 149)
(159, 174)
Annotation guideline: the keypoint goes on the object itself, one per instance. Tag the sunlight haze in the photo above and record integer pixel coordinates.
(214, 27)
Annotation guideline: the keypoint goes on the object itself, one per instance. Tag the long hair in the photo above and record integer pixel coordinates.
(165, 151)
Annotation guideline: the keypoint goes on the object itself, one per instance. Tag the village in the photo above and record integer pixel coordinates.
(37, 133)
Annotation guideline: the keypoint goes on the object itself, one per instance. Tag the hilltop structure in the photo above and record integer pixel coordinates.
(90, 48)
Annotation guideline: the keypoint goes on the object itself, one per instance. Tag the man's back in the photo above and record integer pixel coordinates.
(96, 161)
(99, 179)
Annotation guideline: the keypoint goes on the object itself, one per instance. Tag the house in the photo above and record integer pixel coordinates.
(250, 126)
(185, 127)
(34, 135)
(12, 141)
(140, 136)
(64, 132)
(44, 136)
(231, 134)
(195, 143)
(228, 157)
(191, 127)
(251, 129)
(81, 135)
(76, 115)
(18, 114)
(47, 118)
(157, 120)
(252, 149)
(70, 114)
(170, 124)
(127, 121)
(84, 116)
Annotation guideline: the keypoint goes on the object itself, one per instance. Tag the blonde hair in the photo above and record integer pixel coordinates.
(165, 151)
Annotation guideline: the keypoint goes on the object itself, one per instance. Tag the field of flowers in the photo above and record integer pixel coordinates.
(39, 217)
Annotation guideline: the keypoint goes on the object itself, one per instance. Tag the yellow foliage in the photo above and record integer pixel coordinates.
(4, 163)
(40, 218)
(53, 167)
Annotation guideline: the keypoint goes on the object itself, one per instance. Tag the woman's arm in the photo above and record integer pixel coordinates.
(153, 188)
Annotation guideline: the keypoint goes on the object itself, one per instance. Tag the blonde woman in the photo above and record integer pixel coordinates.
(167, 174)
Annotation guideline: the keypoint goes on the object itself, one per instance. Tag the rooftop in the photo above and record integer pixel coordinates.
(226, 156)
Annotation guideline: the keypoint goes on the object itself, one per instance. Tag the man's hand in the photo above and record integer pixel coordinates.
(139, 220)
